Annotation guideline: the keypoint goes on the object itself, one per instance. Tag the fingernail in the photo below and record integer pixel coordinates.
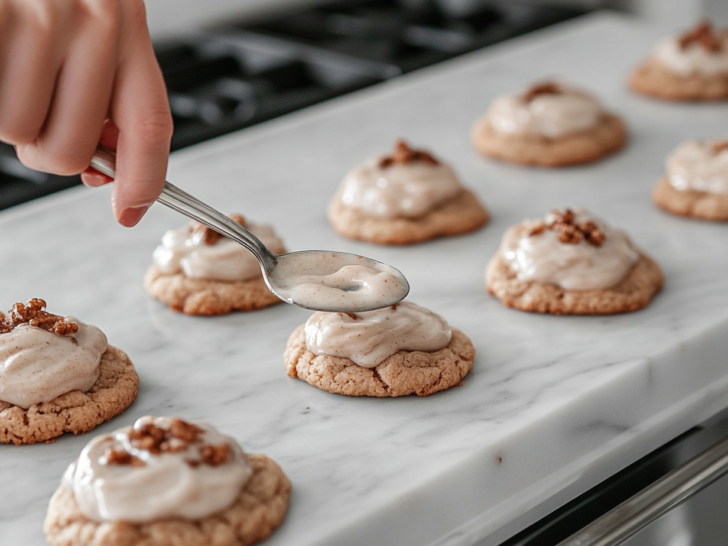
(130, 217)
(94, 179)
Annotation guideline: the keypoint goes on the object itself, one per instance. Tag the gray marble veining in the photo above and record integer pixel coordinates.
(553, 405)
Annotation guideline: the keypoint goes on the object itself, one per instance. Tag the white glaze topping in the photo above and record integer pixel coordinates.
(399, 190)
(698, 165)
(37, 365)
(164, 485)
(691, 59)
(551, 114)
(184, 250)
(581, 266)
(306, 279)
(369, 338)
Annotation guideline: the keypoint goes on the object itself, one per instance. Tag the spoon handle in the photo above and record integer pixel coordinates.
(104, 161)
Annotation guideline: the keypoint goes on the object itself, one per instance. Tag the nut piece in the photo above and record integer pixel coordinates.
(703, 35)
(33, 314)
(719, 146)
(121, 457)
(214, 455)
(563, 223)
(404, 155)
(541, 88)
(210, 236)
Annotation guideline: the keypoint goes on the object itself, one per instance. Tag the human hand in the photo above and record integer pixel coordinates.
(74, 73)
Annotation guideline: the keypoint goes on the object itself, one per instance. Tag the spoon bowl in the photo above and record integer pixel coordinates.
(319, 280)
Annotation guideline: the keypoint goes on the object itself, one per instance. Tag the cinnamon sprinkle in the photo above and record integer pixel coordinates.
(33, 314)
(570, 233)
(703, 35)
(404, 155)
(210, 236)
(541, 88)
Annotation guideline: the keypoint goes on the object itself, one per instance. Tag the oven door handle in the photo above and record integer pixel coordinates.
(655, 500)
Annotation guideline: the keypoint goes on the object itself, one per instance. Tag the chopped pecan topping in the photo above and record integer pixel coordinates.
(542, 88)
(214, 455)
(703, 34)
(121, 457)
(33, 314)
(719, 146)
(538, 229)
(210, 236)
(569, 233)
(404, 155)
(156, 440)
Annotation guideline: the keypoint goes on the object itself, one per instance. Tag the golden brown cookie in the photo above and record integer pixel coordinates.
(258, 510)
(587, 146)
(634, 292)
(696, 204)
(654, 80)
(403, 373)
(459, 215)
(76, 411)
(206, 296)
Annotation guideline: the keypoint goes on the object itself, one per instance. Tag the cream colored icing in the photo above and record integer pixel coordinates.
(166, 486)
(409, 190)
(581, 266)
(549, 115)
(307, 281)
(691, 59)
(183, 251)
(369, 338)
(695, 166)
(37, 366)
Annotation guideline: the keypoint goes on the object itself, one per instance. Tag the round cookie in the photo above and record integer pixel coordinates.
(76, 411)
(258, 510)
(457, 216)
(653, 80)
(206, 296)
(586, 146)
(403, 373)
(696, 204)
(634, 292)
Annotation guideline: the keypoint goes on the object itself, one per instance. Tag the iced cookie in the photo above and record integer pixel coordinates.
(199, 272)
(167, 482)
(571, 263)
(57, 374)
(549, 125)
(404, 198)
(689, 67)
(697, 181)
(395, 351)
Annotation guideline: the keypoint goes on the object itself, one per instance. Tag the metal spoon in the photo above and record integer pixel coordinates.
(283, 273)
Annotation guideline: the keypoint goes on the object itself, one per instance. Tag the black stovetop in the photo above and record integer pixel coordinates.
(237, 75)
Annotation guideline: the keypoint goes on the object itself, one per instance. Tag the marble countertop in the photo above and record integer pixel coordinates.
(553, 405)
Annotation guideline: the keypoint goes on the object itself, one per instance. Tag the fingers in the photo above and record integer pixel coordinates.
(140, 111)
(109, 135)
(82, 95)
(31, 45)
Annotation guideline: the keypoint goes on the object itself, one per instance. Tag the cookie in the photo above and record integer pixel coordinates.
(258, 510)
(206, 296)
(653, 80)
(696, 204)
(459, 215)
(586, 146)
(634, 292)
(403, 373)
(75, 411)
